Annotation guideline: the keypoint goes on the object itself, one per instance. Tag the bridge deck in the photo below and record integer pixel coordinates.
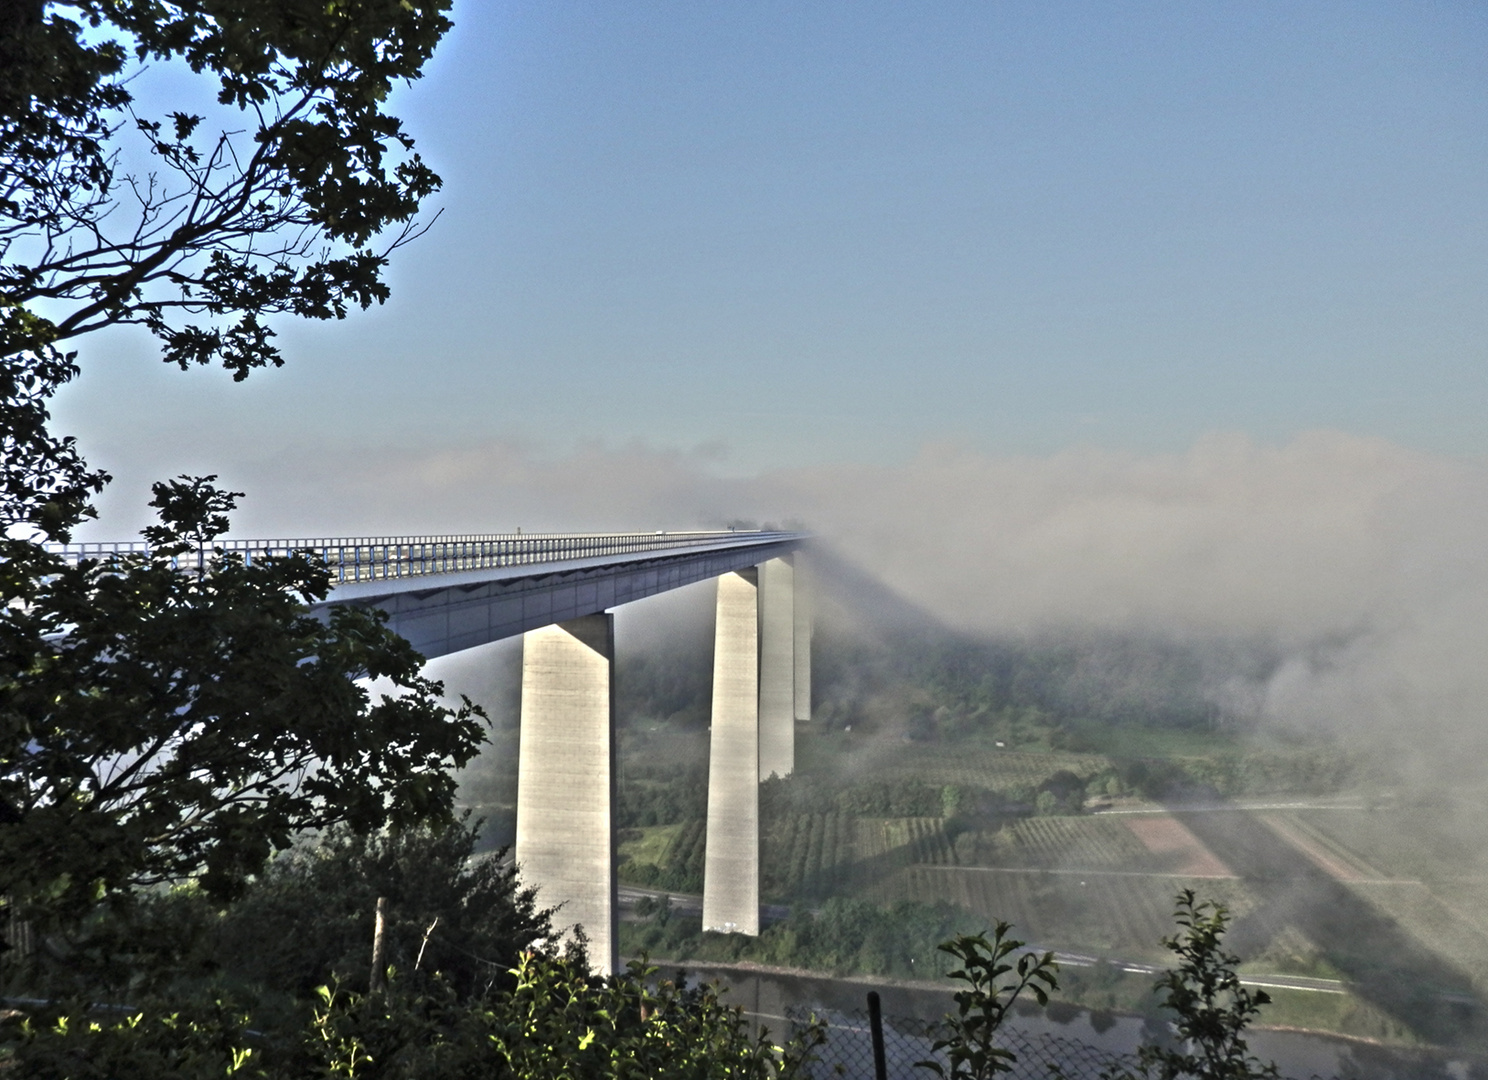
(448, 593)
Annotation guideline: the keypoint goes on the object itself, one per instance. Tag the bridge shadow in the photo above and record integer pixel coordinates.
(854, 877)
(1385, 965)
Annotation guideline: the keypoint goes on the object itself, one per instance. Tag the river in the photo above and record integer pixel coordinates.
(769, 996)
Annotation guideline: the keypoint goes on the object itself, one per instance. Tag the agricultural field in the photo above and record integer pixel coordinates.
(649, 846)
(1073, 799)
(1405, 881)
(664, 856)
(1416, 867)
(1319, 886)
(1114, 914)
(971, 763)
(1092, 882)
(810, 855)
(1420, 842)
(1075, 882)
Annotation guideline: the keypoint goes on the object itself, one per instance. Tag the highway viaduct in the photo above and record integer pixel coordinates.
(450, 593)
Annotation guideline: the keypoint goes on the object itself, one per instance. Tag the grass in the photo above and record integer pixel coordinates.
(1420, 842)
(1343, 1014)
(649, 845)
(977, 764)
(1152, 742)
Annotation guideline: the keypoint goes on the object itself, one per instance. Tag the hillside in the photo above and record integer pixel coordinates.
(1071, 787)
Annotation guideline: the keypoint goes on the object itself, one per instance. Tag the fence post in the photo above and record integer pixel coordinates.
(875, 1027)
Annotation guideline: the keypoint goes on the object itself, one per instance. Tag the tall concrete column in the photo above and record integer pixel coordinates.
(566, 778)
(777, 671)
(731, 862)
(803, 610)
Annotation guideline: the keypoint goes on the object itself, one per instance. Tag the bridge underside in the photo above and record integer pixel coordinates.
(478, 607)
(445, 594)
(566, 769)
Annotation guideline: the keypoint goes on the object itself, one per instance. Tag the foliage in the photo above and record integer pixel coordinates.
(563, 1021)
(183, 1042)
(45, 486)
(1212, 1008)
(852, 935)
(177, 713)
(556, 1020)
(898, 798)
(307, 920)
(272, 208)
(994, 981)
(682, 869)
(675, 795)
(155, 723)
(847, 936)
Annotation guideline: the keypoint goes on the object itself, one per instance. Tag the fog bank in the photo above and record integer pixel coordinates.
(1363, 563)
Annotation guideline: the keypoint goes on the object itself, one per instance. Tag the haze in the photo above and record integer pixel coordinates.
(1050, 317)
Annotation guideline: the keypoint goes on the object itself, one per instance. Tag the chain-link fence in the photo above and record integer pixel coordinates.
(1040, 1056)
(849, 1050)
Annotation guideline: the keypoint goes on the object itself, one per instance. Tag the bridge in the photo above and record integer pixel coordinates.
(450, 593)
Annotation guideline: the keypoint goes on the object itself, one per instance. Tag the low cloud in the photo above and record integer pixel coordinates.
(1364, 564)
(1327, 534)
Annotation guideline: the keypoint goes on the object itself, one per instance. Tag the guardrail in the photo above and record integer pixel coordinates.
(392, 557)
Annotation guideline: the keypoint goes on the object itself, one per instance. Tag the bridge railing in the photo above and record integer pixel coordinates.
(390, 557)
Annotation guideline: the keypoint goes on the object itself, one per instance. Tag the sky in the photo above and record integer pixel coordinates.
(777, 235)
(1149, 315)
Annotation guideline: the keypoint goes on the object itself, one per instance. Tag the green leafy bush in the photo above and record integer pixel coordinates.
(558, 1021)
(308, 919)
(191, 1042)
(1211, 1008)
(996, 974)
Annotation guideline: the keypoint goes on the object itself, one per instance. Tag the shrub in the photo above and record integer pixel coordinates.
(1211, 1008)
(994, 982)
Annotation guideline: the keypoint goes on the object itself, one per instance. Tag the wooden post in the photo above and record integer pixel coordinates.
(875, 1027)
(379, 967)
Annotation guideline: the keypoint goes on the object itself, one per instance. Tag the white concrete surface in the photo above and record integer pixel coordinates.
(566, 778)
(803, 610)
(777, 672)
(731, 863)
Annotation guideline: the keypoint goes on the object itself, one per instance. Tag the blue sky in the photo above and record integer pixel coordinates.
(782, 235)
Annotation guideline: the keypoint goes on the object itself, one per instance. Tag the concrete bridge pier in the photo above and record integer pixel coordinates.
(803, 611)
(757, 654)
(777, 669)
(731, 861)
(566, 787)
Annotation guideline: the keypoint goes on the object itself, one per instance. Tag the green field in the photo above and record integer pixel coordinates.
(1343, 878)
(978, 762)
(1323, 888)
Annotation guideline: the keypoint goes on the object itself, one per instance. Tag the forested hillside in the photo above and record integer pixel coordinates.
(1069, 785)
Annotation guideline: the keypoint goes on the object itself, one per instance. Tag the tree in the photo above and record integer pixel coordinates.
(157, 724)
(162, 724)
(307, 920)
(281, 214)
